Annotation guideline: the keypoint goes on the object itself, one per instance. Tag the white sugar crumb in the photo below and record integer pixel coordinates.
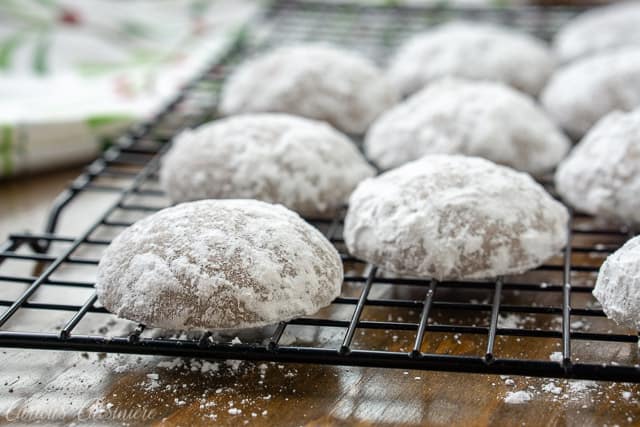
(551, 387)
(556, 391)
(302, 164)
(514, 320)
(204, 366)
(311, 80)
(151, 384)
(556, 356)
(443, 119)
(580, 325)
(237, 398)
(172, 270)
(517, 397)
(408, 220)
(236, 340)
(510, 321)
(171, 364)
(582, 386)
(234, 365)
(626, 395)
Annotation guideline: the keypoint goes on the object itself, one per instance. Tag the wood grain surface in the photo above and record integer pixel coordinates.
(98, 389)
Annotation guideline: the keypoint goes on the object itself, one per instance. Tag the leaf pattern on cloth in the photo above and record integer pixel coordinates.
(91, 67)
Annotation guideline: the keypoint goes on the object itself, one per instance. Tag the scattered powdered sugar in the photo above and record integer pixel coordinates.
(579, 94)
(454, 217)
(604, 28)
(204, 366)
(517, 397)
(551, 387)
(574, 391)
(579, 387)
(556, 356)
(303, 164)
(177, 362)
(513, 320)
(234, 365)
(235, 398)
(218, 264)
(455, 116)
(497, 53)
(580, 325)
(601, 176)
(311, 80)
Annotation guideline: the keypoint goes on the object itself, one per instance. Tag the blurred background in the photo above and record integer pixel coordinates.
(73, 73)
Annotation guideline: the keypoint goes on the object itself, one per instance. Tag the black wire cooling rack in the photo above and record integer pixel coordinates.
(542, 323)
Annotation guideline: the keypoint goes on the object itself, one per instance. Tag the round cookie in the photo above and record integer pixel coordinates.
(473, 51)
(315, 81)
(601, 176)
(579, 94)
(454, 217)
(218, 264)
(618, 285)
(303, 164)
(598, 30)
(454, 116)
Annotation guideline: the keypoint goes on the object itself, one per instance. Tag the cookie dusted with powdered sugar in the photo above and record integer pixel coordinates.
(473, 51)
(583, 92)
(454, 217)
(601, 176)
(455, 116)
(599, 30)
(303, 164)
(218, 264)
(618, 285)
(315, 81)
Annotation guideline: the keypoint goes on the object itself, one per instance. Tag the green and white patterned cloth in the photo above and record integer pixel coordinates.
(72, 71)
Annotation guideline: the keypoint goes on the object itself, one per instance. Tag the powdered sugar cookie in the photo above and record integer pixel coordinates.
(454, 116)
(598, 30)
(454, 217)
(601, 176)
(581, 93)
(618, 285)
(473, 51)
(218, 264)
(315, 81)
(303, 164)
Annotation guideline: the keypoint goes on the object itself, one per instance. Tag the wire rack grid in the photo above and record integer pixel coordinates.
(379, 320)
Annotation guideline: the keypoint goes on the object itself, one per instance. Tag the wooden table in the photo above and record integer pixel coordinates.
(61, 387)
